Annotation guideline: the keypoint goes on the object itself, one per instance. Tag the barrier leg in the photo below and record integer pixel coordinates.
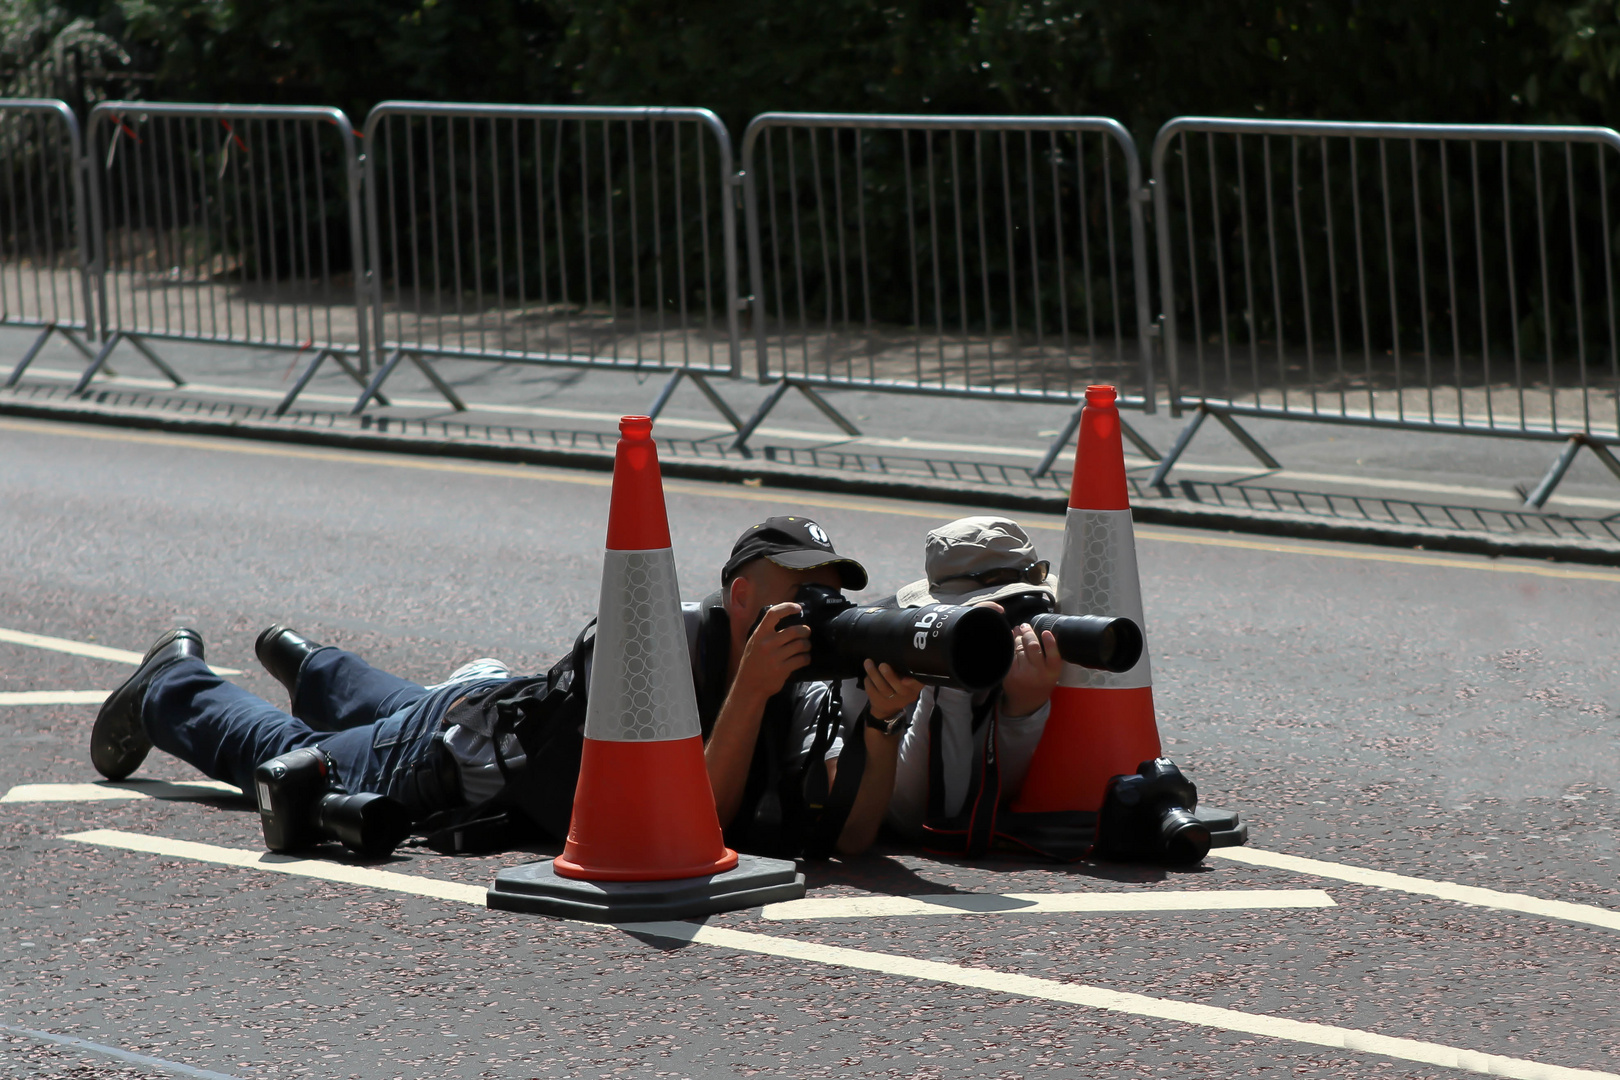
(73, 340)
(298, 387)
(1608, 459)
(701, 381)
(1064, 435)
(97, 362)
(438, 384)
(1537, 498)
(358, 375)
(1168, 462)
(28, 357)
(827, 410)
(157, 361)
(743, 433)
(1249, 442)
(1067, 433)
(665, 393)
(370, 389)
(720, 404)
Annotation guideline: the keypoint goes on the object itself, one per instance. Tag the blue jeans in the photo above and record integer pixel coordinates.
(377, 727)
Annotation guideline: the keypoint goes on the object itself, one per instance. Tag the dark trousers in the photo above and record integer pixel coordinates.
(377, 727)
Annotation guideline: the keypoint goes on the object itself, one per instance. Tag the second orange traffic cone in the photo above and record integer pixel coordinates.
(1102, 723)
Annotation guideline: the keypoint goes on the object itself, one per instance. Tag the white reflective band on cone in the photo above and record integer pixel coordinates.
(641, 676)
(1098, 577)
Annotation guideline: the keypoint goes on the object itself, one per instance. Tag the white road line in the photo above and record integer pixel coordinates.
(866, 907)
(54, 697)
(286, 864)
(83, 648)
(1096, 997)
(118, 1054)
(106, 791)
(1024, 986)
(1590, 914)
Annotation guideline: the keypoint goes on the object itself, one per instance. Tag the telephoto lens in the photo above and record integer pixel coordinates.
(942, 644)
(301, 806)
(1093, 641)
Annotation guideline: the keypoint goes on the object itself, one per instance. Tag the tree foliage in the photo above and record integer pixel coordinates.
(1143, 62)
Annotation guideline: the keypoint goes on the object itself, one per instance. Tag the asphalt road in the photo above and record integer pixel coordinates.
(1447, 719)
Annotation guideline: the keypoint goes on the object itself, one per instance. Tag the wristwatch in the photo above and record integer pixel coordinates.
(894, 725)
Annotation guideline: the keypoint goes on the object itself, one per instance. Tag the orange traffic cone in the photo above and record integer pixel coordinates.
(644, 841)
(1101, 723)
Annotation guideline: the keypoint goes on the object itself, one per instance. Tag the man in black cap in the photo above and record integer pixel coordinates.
(429, 749)
(796, 766)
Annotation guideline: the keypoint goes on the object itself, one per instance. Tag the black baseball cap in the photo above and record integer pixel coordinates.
(796, 543)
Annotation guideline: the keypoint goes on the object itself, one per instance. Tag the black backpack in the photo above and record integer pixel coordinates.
(546, 713)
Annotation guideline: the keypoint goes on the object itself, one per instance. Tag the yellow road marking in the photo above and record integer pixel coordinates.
(998, 982)
(856, 504)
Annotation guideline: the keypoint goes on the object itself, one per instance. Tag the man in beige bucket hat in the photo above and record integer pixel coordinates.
(977, 560)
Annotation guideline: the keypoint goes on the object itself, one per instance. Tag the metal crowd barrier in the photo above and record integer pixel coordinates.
(230, 224)
(1427, 277)
(990, 257)
(44, 259)
(594, 237)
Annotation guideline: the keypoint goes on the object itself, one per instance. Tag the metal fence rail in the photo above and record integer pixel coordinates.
(44, 280)
(595, 237)
(235, 224)
(1429, 277)
(998, 257)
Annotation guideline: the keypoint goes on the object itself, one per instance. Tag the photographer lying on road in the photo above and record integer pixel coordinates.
(486, 747)
(977, 560)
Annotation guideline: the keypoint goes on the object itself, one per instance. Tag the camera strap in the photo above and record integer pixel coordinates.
(983, 826)
(829, 809)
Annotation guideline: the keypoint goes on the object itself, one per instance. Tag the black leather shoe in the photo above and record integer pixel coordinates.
(118, 742)
(282, 652)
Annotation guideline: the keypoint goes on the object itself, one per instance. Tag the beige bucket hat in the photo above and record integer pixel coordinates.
(974, 559)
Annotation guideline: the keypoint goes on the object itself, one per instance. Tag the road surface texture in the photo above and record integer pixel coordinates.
(1431, 737)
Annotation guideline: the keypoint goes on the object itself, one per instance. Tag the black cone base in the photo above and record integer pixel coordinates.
(1225, 830)
(537, 887)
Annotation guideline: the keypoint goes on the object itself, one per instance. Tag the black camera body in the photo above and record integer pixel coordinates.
(302, 805)
(940, 644)
(1092, 641)
(1149, 815)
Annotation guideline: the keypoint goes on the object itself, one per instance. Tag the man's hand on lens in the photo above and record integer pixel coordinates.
(889, 691)
(773, 652)
(1035, 669)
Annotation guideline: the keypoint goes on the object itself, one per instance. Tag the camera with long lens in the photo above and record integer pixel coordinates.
(942, 644)
(1151, 815)
(301, 805)
(1094, 641)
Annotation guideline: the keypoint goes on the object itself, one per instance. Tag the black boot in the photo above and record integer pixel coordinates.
(282, 652)
(118, 742)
